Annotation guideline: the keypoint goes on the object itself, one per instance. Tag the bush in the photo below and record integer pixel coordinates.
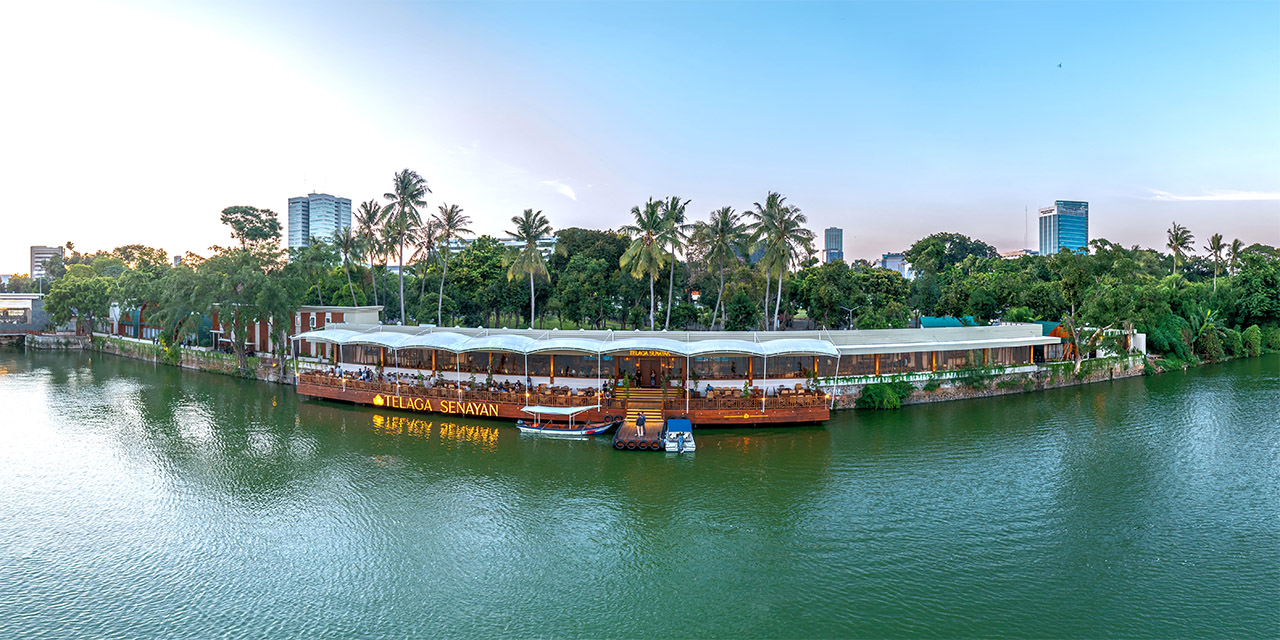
(884, 395)
(1273, 338)
(1210, 346)
(931, 385)
(1232, 344)
(1252, 338)
(1166, 337)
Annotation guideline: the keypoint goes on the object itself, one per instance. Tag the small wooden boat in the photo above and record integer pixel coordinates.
(539, 426)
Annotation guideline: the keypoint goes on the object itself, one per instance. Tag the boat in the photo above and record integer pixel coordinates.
(569, 430)
(677, 435)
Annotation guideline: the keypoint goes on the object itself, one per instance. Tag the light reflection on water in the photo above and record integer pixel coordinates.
(138, 500)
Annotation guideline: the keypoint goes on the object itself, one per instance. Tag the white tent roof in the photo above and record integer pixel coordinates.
(558, 411)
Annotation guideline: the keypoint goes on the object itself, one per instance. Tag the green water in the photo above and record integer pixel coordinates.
(144, 501)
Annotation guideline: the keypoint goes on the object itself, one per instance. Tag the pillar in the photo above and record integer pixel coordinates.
(934, 367)
(877, 364)
(553, 368)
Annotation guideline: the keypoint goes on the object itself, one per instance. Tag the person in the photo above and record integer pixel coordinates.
(653, 379)
(708, 388)
(640, 425)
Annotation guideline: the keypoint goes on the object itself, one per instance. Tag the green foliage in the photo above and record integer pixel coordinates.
(931, 385)
(742, 312)
(1252, 338)
(1233, 343)
(884, 395)
(80, 294)
(1273, 338)
(252, 226)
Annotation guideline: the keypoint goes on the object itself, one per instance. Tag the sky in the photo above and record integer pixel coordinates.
(138, 122)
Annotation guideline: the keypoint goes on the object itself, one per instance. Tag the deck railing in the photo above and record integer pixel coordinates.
(797, 400)
(450, 391)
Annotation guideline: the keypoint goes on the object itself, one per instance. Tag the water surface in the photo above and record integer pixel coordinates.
(139, 501)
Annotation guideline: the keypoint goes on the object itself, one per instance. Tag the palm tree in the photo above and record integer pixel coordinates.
(368, 217)
(780, 229)
(409, 192)
(1233, 255)
(348, 245)
(1180, 241)
(720, 239)
(645, 256)
(673, 237)
(1215, 247)
(424, 241)
(450, 223)
(531, 226)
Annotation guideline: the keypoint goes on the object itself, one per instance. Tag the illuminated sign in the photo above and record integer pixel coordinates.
(644, 352)
(440, 406)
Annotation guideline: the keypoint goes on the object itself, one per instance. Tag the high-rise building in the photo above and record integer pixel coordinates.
(896, 262)
(317, 215)
(1065, 225)
(833, 245)
(41, 255)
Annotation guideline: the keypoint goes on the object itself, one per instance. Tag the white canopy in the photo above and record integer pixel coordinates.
(558, 411)
(454, 342)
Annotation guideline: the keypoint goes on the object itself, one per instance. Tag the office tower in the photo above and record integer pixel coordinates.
(1065, 225)
(317, 215)
(39, 256)
(833, 246)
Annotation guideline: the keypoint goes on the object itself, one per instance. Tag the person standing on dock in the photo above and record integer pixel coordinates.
(640, 425)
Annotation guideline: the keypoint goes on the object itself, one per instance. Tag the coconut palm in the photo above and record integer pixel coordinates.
(1215, 247)
(530, 227)
(424, 242)
(450, 223)
(645, 256)
(1179, 242)
(1233, 255)
(409, 192)
(720, 238)
(779, 229)
(348, 245)
(674, 235)
(368, 219)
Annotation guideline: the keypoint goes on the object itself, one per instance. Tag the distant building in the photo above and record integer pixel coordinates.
(317, 215)
(1018, 253)
(546, 244)
(22, 312)
(177, 260)
(1065, 225)
(896, 262)
(833, 244)
(39, 257)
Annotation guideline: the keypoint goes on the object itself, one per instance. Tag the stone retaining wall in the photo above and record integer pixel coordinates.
(963, 385)
(56, 341)
(198, 360)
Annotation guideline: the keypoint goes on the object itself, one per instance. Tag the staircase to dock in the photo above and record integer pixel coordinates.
(641, 401)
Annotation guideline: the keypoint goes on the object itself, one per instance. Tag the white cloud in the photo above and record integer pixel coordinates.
(1218, 196)
(561, 188)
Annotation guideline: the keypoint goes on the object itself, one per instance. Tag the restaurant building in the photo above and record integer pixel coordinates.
(710, 377)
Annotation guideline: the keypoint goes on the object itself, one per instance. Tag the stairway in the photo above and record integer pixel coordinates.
(648, 402)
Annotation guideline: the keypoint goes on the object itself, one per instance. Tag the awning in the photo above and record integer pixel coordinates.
(558, 411)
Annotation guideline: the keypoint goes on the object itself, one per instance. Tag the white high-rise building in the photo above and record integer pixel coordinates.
(317, 215)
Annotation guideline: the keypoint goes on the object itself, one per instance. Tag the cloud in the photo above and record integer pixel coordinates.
(561, 188)
(1216, 196)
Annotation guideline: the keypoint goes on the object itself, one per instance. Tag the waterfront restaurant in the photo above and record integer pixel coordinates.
(711, 377)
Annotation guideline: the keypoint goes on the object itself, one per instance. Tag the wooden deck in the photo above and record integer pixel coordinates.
(646, 402)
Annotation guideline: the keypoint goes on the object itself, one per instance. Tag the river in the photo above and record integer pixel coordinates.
(139, 500)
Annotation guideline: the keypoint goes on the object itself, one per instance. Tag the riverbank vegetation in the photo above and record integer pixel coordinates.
(721, 268)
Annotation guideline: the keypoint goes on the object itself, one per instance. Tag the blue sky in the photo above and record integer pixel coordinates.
(892, 120)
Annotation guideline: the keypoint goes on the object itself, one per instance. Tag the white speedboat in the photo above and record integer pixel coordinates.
(677, 436)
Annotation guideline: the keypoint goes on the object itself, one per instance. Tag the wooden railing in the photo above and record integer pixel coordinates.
(449, 391)
(753, 402)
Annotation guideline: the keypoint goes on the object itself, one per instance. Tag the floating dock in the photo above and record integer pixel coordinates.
(647, 402)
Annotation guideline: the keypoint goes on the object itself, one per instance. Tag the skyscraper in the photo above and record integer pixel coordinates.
(833, 245)
(318, 215)
(41, 255)
(1065, 225)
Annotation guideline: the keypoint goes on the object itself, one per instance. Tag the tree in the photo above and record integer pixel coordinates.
(1233, 255)
(424, 242)
(409, 192)
(368, 219)
(721, 239)
(645, 256)
(81, 294)
(348, 246)
(675, 233)
(252, 226)
(450, 223)
(530, 227)
(1215, 247)
(1179, 242)
(780, 228)
(741, 312)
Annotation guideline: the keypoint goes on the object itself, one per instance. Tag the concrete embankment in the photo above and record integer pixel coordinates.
(264, 369)
(56, 341)
(964, 385)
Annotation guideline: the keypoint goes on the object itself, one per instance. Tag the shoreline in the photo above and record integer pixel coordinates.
(925, 388)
